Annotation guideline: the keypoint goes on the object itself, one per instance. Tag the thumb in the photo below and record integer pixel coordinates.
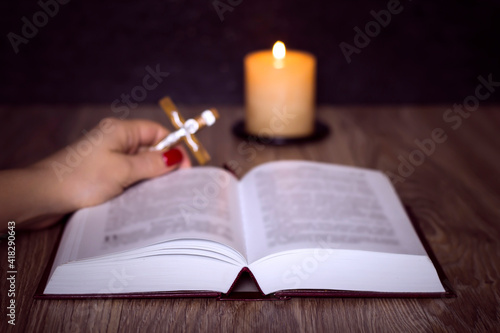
(152, 164)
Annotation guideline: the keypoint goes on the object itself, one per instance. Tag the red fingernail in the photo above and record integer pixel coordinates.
(172, 157)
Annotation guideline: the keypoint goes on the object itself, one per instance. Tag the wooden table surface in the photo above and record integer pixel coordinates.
(454, 194)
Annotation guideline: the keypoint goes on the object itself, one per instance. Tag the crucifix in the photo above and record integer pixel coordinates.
(185, 130)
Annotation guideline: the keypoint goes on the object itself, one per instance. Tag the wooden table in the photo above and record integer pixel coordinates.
(454, 194)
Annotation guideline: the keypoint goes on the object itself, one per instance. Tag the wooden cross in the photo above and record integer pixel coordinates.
(185, 130)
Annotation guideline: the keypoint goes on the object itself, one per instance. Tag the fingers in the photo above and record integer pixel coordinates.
(152, 164)
(130, 139)
(130, 135)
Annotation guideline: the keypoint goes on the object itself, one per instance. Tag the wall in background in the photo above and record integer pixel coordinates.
(94, 51)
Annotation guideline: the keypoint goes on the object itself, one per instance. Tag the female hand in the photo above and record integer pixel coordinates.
(96, 168)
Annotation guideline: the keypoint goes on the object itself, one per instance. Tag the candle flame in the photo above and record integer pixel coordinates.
(279, 50)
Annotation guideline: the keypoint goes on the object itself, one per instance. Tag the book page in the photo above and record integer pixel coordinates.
(196, 203)
(296, 205)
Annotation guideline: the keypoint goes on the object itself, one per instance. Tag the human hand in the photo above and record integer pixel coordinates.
(96, 168)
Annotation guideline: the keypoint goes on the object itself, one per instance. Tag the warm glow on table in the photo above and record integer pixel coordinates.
(280, 92)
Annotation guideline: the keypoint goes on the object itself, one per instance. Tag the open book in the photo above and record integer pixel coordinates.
(294, 225)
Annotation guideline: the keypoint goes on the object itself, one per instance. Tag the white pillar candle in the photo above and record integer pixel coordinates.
(280, 92)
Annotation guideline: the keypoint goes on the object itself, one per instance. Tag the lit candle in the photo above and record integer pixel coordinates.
(280, 90)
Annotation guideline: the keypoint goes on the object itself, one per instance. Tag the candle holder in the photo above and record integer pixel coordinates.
(320, 132)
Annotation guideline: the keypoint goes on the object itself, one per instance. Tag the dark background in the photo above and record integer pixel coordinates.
(93, 51)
